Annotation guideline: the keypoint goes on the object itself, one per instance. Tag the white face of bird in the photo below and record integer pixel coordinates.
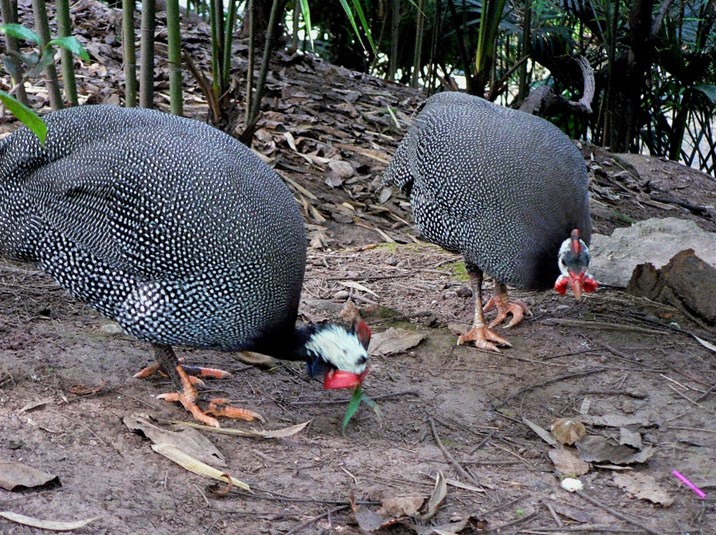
(343, 352)
(573, 260)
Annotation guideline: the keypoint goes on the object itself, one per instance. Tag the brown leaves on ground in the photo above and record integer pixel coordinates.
(644, 487)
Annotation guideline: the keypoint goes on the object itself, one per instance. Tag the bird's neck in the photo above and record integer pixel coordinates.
(289, 344)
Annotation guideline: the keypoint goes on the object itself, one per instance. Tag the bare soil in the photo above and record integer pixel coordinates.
(66, 380)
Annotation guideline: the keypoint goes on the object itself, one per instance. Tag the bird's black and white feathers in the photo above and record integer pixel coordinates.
(170, 227)
(501, 187)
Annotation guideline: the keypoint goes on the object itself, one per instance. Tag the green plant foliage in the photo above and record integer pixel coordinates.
(18, 31)
(28, 117)
(354, 403)
(72, 44)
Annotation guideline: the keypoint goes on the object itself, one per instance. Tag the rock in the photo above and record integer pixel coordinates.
(653, 241)
(686, 282)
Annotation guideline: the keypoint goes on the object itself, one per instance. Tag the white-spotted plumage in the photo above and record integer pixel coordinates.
(167, 225)
(501, 187)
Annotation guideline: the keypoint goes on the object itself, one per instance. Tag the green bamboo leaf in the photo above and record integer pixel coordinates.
(72, 44)
(306, 12)
(352, 20)
(352, 407)
(28, 117)
(364, 23)
(18, 31)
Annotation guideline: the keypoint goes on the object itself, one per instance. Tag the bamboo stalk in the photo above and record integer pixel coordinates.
(146, 62)
(42, 27)
(129, 54)
(68, 61)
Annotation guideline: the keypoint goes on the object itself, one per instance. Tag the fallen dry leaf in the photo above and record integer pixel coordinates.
(567, 463)
(437, 497)
(256, 359)
(643, 486)
(468, 525)
(568, 430)
(17, 476)
(187, 439)
(357, 286)
(617, 420)
(541, 432)
(401, 506)
(187, 462)
(393, 341)
(600, 449)
(630, 438)
(273, 433)
(52, 525)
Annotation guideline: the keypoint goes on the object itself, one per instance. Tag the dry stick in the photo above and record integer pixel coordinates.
(343, 401)
(687, 398)
(707, 393)
(601, 325)
(449, 456)
(315, 519)
(620, 516)
(87, 428)
(698, 429)
(554, 514)
(514, 522)
(549, 382)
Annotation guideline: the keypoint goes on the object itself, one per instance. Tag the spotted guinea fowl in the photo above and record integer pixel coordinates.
(175, 230)
(505, 189)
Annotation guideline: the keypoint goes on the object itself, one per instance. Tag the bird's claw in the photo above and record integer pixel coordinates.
(221, 407)
(483, 338)
(504, 307)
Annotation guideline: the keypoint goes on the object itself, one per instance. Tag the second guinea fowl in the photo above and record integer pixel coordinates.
(505, 189)
(175, 230)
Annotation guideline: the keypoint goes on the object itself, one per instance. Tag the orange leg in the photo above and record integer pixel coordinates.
(479, 334)
(186, 393)
(501, 301)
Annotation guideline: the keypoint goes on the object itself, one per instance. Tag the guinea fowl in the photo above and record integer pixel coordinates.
(175, 230)
(505, 189)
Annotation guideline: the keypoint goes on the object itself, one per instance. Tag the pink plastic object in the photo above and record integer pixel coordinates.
(678, 475)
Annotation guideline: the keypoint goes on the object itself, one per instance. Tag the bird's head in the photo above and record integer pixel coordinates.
(340, 353)
(573, 264)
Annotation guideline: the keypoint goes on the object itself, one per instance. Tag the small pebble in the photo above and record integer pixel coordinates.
(341, 294)
(463, 291)
(571, 484)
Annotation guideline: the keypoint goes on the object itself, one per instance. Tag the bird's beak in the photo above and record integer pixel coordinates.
(576, 282)
(342, 379)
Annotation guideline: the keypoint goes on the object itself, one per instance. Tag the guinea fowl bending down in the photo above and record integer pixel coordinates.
(175, 230)
(505, 189)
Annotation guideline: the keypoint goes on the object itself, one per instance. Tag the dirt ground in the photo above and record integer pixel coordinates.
(612, 352)
(619, 363)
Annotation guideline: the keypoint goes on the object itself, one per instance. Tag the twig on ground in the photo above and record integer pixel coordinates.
(464, 473)
(553, 513)
(687, 398)
(692, 429)
(527, 389)
(601, 325)
(344, 401)
(617, 514)
(315, 519)
(95, 435)
(512, 523)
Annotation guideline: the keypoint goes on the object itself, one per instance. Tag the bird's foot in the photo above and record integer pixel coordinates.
(194, 373)
(506, 306)
(483, 338)
(217, 407)
(221, 407)
(187, 397)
